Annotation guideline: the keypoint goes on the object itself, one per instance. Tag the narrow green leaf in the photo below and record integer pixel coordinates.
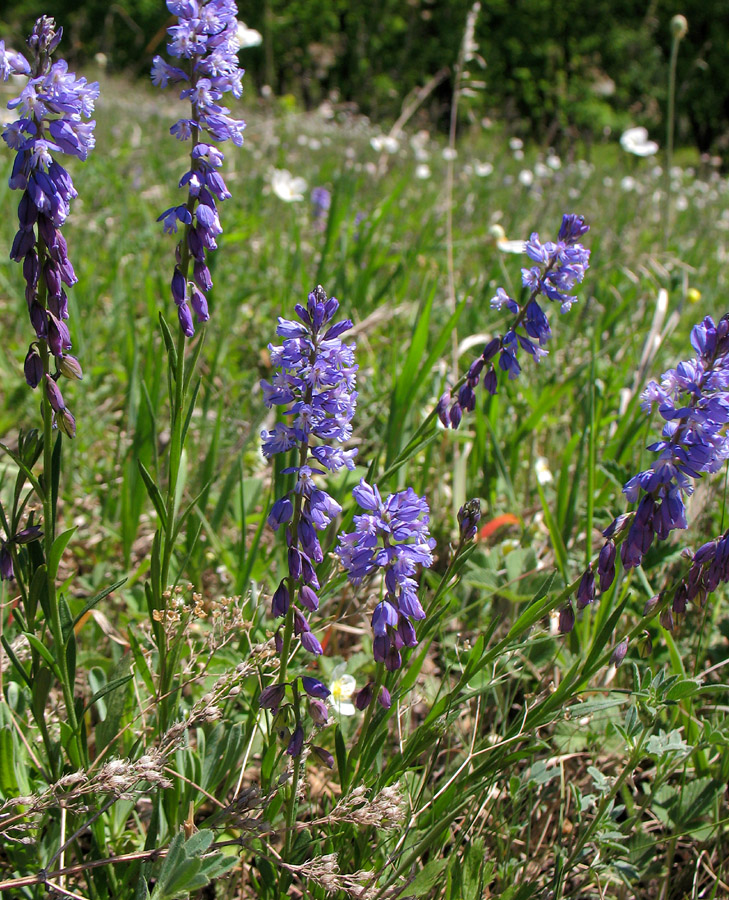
(15, 661)
(154, 494)
(97, 598)
(42, 651)
(107, 689)
(25, 470)
(169, 343)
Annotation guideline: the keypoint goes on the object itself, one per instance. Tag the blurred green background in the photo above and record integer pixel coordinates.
(555, 71)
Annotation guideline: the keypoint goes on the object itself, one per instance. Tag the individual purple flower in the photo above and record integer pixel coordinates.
(566, 619)
(272, 696)
(314, 687)
(26, 536)
(315, 387)
(205, 40)
(325, 756)
(559, 267)
(6, 562)
(51, 108)
(392, 538)
(296, 744)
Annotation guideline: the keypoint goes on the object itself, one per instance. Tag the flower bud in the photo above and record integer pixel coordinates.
(31, 533)
(314, 687)
(69, 366)
(296, 744)
(364, 696)
(67, 423)
(679, 27)
(325, 756)
(318, 712)
(6, 563)
(280, 600)
(619, 653)
(566, 619)
(384, 698)
(272, 696)
(33, 366)
(468, 517)
(54, 395)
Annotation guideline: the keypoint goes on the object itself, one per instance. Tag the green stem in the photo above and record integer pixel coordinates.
(629, 768)
(49, 526)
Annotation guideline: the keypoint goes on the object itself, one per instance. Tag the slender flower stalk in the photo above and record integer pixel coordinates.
(316, 385)
(52, 108)
(559, 267)
(205, 40)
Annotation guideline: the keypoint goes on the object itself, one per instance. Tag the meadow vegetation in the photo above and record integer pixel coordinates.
(514, 761)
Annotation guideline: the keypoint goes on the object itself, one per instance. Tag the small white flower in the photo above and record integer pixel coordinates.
(342, 689)
(288, 187)
(526, 177)
(542, 470)
(248, 37)
(627, 183)
(554, 162)
(422, 171)
(635, 141)
(384, 142)
(516, 143)
(483, 170)
(449, 153)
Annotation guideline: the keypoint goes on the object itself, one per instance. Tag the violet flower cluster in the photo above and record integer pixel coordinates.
(559, 267)
(693, 400)
(392, 537)
(51, 108)
(316, 385)
(205, 40)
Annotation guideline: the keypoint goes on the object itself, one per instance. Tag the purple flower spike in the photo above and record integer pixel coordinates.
(559, 268)
(392, 536)
(205, 40)
(693, 400)
(315, 385)
(52, 107)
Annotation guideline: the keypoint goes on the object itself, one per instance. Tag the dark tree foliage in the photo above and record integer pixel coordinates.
(556, 69)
